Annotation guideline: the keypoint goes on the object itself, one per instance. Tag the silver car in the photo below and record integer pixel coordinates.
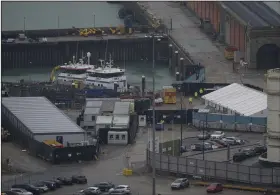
(180, 184)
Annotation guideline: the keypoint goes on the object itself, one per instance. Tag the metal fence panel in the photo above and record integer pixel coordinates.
(219, 170)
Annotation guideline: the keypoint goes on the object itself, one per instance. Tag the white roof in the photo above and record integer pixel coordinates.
(121, 120)
(92, 111)
(121, 108)
(238, 98)
(104, 120)
(40, 116)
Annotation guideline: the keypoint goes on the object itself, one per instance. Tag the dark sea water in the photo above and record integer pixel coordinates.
(44, 15)
(134, 73)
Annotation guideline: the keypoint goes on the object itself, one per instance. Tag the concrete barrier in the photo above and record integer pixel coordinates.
(238, 187)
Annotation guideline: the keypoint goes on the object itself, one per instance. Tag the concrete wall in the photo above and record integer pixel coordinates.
(254, 44)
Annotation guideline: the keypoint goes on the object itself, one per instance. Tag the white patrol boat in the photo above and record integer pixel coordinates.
(107, 76)
(72, 72)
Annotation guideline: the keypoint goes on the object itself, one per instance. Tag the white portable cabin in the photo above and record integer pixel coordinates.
(118, 137)
(142, 120)
(90, 116)
(103, 122)
(121, 122)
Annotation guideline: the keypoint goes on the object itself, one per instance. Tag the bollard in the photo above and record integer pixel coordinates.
(170, 55)
(177, 76)
(143, 85)
(182, 69)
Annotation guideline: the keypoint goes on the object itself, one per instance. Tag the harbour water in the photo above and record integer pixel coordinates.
(134, 73)
(18, 15)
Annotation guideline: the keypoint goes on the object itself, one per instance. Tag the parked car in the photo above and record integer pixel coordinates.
(65, 181)
(116, 192)
(260, 149)
(183, 149)
(214, 187)
(200, 146)
(104, 186)
(122, 188)
(214, 145)
(79, 179)
(50, 185)
(91, 191)
(221, 142)
(180, 184)
(217, 135)
(203, 136)
(42, 186)
(230, 140)
(20, 191)
(250, 152)
(57, 182)
(238, 157)
(28, 187)
(9, 192)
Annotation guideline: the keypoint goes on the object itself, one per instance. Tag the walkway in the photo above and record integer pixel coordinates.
(200, 47)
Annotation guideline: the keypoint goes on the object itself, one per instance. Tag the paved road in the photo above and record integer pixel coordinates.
(90, 38)
(199, 46)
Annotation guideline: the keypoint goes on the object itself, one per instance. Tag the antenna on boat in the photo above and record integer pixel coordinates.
(106, 50)
(124, 59)
(88, 57)
(74, 61)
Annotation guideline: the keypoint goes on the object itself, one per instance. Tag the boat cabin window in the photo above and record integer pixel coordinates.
(107, 75)
(70, 71)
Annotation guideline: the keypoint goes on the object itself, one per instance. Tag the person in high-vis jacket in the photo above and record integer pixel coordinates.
(190, 100)
(201, 91)
(195, 94)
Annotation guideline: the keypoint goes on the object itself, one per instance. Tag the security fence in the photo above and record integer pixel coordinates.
(215, 170)
(229, 122)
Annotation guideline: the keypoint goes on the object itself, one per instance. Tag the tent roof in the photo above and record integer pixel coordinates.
(238, 98)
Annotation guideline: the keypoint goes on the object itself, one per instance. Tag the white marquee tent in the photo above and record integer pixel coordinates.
(237, 99)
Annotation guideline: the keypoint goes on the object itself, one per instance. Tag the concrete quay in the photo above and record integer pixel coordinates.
(200, 49)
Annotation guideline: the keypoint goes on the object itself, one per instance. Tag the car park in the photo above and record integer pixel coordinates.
(214, 187)
(122, 188)
(203, 136)
(21, 191)
(217, 135)
(42, 186)
(28, 187)
(238, 157)
(180, 184)
(260, 149)
(104, 186)
(79, 179)
(65, 181)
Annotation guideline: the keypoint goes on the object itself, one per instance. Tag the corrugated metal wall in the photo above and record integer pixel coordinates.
(234, 32)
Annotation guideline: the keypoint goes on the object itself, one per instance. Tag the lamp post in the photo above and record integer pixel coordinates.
(24, 18)
(93, 19)
(154, 121)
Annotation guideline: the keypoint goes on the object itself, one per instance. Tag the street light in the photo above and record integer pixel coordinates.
(24, 23)
(154, 121)
(93, 19)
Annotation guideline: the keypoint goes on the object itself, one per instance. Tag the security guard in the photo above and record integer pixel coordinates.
(195, 94)
(201, 91)
(190, 100)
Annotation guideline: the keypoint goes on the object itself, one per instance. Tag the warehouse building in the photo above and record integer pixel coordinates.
(39, 119)
(251, 27)
(237, 99)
